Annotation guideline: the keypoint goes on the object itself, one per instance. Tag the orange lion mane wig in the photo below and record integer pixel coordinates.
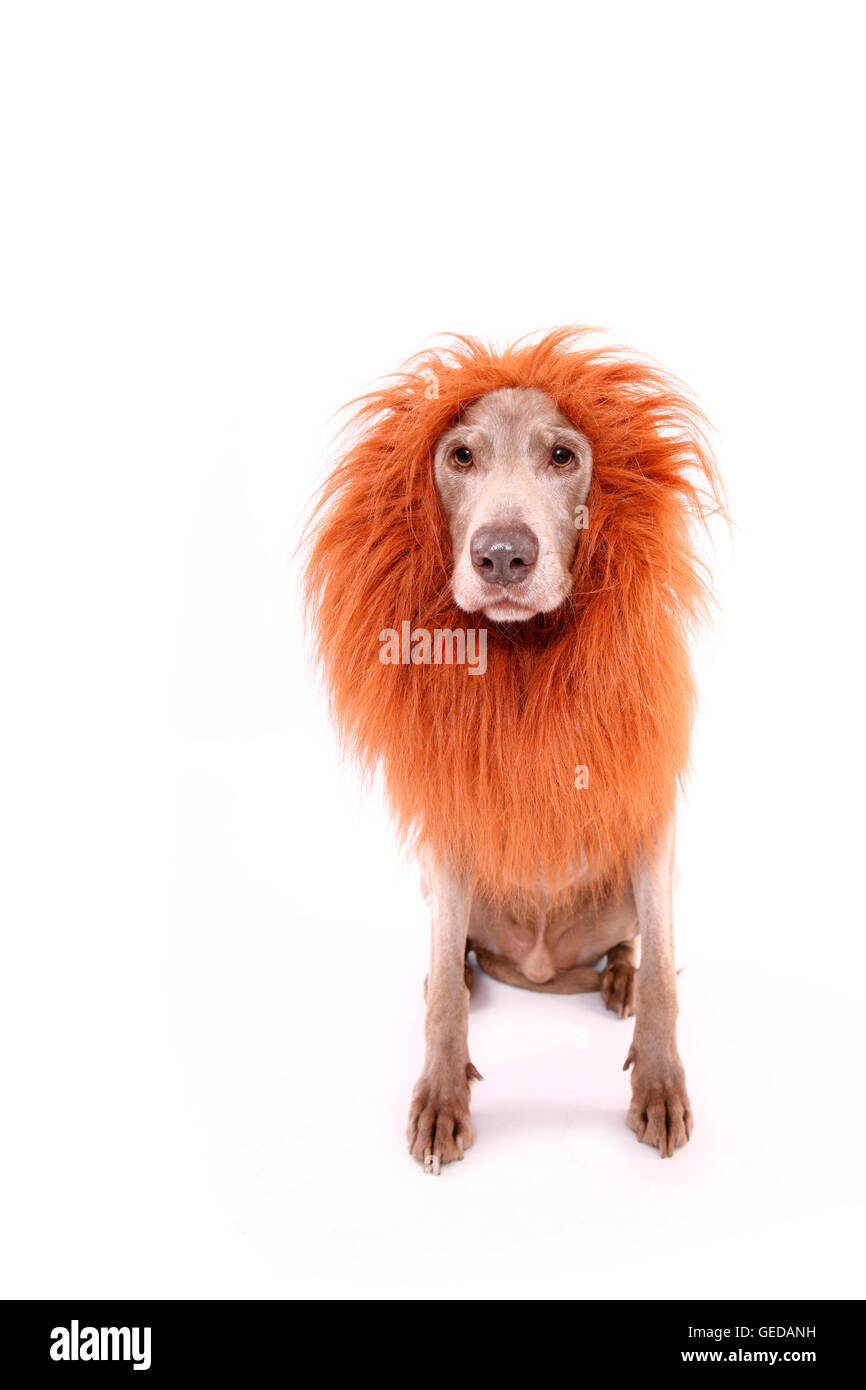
(480, 770)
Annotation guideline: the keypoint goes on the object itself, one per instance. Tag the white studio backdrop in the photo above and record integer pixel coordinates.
(222, 221)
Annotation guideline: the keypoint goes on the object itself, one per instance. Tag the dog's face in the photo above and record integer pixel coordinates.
(512, 475)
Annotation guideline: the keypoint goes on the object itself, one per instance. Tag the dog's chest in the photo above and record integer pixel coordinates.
(541, 941)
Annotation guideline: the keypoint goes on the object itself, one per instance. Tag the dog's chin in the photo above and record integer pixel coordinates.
(506, 606)
(506, 611)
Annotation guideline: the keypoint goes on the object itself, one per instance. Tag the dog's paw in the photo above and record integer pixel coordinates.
(617, 988)
(440, 1129)
(660, 1112)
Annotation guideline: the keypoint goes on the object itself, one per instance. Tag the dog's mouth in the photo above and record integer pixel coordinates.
(508, 603)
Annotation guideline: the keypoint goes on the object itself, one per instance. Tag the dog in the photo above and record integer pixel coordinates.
(542, 497)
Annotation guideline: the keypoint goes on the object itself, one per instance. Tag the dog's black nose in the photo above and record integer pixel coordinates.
(504, 554)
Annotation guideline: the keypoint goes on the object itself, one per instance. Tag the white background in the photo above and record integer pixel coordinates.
(220, 222)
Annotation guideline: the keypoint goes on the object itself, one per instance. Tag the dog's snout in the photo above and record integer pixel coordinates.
(504, 554)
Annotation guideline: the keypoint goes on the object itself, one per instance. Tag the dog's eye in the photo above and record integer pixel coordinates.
(462, 457)
(561, 456)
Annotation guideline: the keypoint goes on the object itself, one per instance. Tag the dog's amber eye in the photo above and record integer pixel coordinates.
(462, 457)
(561, 456)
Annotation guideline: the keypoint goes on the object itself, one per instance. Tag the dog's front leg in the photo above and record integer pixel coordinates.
(439, 1125)
(660, 1112)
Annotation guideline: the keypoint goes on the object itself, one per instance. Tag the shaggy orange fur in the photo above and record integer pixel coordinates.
(480, 770)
